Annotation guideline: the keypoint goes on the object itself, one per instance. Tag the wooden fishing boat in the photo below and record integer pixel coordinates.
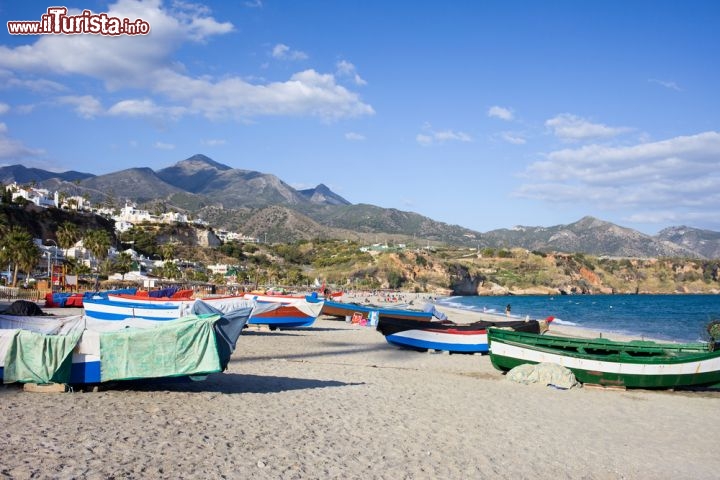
(289, 298)
(342, 310)
(293, 314)
(633, 364)
(446, 335)
(122, 306)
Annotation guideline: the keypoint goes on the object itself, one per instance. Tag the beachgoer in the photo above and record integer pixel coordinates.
(507, 310)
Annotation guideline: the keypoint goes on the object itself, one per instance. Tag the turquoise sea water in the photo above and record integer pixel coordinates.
(670, 317)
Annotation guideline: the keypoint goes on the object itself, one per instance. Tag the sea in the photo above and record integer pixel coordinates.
(681, 318)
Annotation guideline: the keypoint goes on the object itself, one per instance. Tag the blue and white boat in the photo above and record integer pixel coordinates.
(299, 312)
(448, 336)
(120, 307)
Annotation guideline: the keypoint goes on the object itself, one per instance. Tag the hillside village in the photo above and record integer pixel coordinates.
(124, 219)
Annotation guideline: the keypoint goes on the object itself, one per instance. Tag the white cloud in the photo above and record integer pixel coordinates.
(347, 69)
(667, 84)
(675, 177)
(283, 52)
(431, 136)
(144, 108)
(423, 139)
(513, 138)
(4, 108)
(448, 135)
(118, 61)
(306, 93)
(12, 149)
(214, 142)
(352, 136)
(571, 127)
(37, 85)
(500, 112)
(148, 64)
(86, 106)
(164, 146)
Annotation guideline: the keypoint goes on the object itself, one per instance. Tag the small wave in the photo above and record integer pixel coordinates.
(447, 302)
(560, 321)
(455, 297)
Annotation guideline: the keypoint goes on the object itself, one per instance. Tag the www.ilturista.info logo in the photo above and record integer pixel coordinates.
(57, 21)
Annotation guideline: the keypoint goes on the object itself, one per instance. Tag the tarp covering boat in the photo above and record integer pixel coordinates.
(32, 357)
(177, 347)
(79, 349)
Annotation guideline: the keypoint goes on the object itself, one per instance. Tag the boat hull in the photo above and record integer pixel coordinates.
(297, 314)
(454, 342)
(342, 310)
(446, 335)
(683, 365)
(120, 307)
(107, 309)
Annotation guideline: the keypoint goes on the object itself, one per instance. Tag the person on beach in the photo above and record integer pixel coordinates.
(507, 310)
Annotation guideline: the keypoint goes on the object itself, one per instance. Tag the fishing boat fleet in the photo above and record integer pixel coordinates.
(125, 335)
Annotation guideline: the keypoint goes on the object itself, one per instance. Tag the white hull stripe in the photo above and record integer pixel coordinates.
(530, 355)
(438, 337)
(112, 312)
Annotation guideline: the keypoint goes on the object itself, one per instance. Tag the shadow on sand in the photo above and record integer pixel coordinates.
(223, 383)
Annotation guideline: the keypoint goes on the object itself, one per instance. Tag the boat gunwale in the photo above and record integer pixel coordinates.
(665, 353)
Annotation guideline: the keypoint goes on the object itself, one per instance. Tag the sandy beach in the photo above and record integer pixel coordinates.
(336, 401)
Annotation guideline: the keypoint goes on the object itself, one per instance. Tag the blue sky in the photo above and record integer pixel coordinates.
(485, 114)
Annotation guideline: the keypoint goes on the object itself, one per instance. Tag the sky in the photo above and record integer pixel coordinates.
(485, 114)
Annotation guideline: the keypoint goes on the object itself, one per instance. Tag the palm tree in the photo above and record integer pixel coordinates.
(3, 224)
(98, 242)
(170, 270)
(27, 257)
(167, 250)
(67, 235)
(17, 247)
(123, 264)
(106, 267)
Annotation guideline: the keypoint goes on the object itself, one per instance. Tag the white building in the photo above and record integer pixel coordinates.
(129, 213)
(226, 236)
(38, 196)
(218, 268)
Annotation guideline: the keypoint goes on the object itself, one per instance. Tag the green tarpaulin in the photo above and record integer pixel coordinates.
(185, 346)
(38, 358)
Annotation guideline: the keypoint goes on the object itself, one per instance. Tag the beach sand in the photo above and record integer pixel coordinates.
(337, 401)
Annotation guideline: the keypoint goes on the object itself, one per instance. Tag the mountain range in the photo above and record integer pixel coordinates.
(262, 205)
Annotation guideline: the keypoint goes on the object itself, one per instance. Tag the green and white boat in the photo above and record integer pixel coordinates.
(633, 364)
